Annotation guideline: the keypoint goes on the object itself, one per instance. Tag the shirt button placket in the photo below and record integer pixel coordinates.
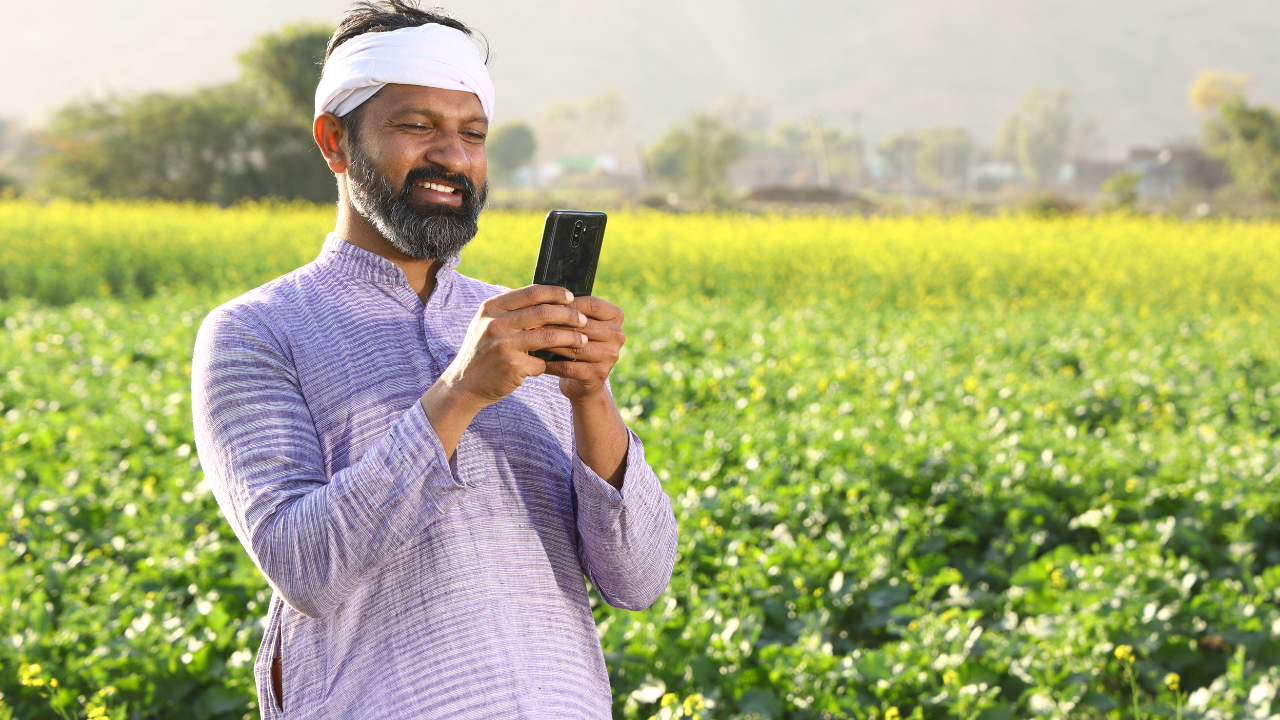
(431, 344)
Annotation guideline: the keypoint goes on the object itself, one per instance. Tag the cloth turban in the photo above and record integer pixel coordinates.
(430, 55)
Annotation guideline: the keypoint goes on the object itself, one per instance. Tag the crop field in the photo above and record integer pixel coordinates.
(923, 467)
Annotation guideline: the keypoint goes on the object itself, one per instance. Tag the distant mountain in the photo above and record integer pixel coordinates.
(907, 64)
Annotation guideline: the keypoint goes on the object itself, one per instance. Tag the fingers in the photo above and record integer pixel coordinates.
(609, 333)
(606, 335)
(585, 373)
(526, 297)
(547, 337)
(580, 371)
(592, 352)
(597, 309)
(544, 314)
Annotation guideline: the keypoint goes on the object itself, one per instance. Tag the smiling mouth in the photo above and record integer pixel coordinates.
(439, 188)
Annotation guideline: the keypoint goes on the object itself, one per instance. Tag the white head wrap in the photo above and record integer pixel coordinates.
(430, 55)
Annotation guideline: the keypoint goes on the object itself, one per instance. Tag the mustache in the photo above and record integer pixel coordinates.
(429, 173)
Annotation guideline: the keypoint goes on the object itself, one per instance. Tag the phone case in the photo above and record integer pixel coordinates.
(570, 251)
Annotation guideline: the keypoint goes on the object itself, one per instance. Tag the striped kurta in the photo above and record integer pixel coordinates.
(408, 584)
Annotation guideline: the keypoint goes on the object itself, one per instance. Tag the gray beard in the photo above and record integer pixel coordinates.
(435, 232)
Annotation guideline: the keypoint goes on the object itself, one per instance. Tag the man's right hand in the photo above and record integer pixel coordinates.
(494, 358)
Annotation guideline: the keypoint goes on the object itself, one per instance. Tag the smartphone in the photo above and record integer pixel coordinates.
(569, 254)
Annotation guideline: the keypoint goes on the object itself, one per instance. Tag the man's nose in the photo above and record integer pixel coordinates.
(449, 153)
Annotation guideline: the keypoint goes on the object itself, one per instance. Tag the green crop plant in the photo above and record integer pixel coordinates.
(923, 468)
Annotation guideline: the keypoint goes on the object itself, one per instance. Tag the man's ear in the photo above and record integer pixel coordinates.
(329, 134)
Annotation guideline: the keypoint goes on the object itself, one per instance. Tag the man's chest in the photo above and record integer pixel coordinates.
(360, 376)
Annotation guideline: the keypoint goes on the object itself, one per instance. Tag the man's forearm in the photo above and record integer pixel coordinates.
(449, 413)
(601, 437)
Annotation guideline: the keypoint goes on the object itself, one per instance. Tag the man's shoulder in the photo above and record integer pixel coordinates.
(266, 309)
(468, 290)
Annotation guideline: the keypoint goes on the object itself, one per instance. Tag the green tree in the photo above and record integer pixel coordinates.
(1212, 88)
(1121, 191)
(590, 126)
(246, 139)
(1247, 138)
(696, 155)
(18, 156)
(943, 155)
(511, 147)
(1038, 134)
(171, 147)
(283, 69)
(899, 153)
(285, 66)
(843, 149)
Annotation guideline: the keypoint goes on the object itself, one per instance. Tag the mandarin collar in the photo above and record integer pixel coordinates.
(371, 267)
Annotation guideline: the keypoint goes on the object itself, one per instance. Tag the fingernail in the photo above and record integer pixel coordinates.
(584, 338)
(582, 319)
(568, 296)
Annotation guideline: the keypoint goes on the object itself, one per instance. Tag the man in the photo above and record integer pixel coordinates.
(423, 496)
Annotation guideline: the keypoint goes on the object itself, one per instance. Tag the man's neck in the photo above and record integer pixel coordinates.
(357, 230)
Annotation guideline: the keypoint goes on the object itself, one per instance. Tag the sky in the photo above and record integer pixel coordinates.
(884, 67)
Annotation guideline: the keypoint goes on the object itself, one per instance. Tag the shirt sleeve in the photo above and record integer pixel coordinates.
(314, 537)
(627, 539)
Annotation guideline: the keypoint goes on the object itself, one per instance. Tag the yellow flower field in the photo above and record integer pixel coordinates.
(63, 251)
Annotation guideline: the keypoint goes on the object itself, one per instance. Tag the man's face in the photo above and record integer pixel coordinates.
(417, 167)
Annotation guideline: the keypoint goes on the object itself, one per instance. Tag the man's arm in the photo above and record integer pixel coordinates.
(626, 528)
(598, 431)
(494, 358)
(627, 539)
(601, 437)
(313, 536)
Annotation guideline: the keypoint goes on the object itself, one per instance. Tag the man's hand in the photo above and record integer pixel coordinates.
(494, 358)
(585, 379)
(599, 433)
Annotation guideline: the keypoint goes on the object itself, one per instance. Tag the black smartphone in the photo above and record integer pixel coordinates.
(569, 254)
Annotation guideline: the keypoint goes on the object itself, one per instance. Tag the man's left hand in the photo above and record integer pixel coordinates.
(585, 379)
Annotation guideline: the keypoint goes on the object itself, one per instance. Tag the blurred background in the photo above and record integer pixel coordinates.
(918, 105)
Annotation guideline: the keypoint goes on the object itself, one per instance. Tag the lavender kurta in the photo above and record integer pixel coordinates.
(407, 586)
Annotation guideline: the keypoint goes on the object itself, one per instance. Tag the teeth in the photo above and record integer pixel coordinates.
(437, 188)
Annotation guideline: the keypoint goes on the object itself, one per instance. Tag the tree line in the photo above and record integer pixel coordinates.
(251, 138)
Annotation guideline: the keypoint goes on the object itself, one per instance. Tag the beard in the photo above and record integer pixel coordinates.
(420, 230)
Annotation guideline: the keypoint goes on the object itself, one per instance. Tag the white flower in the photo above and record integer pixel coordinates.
(141, 622)
(1091, 519)
(837, 582)
(729, 628)
(1263, 692)
(650, 691)
(240, 658)
(1041, 704)
(1199, 700)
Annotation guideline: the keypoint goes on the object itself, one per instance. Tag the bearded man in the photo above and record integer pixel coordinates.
(422, 494)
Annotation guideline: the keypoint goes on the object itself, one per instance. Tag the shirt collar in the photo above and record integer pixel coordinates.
(371, 267)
